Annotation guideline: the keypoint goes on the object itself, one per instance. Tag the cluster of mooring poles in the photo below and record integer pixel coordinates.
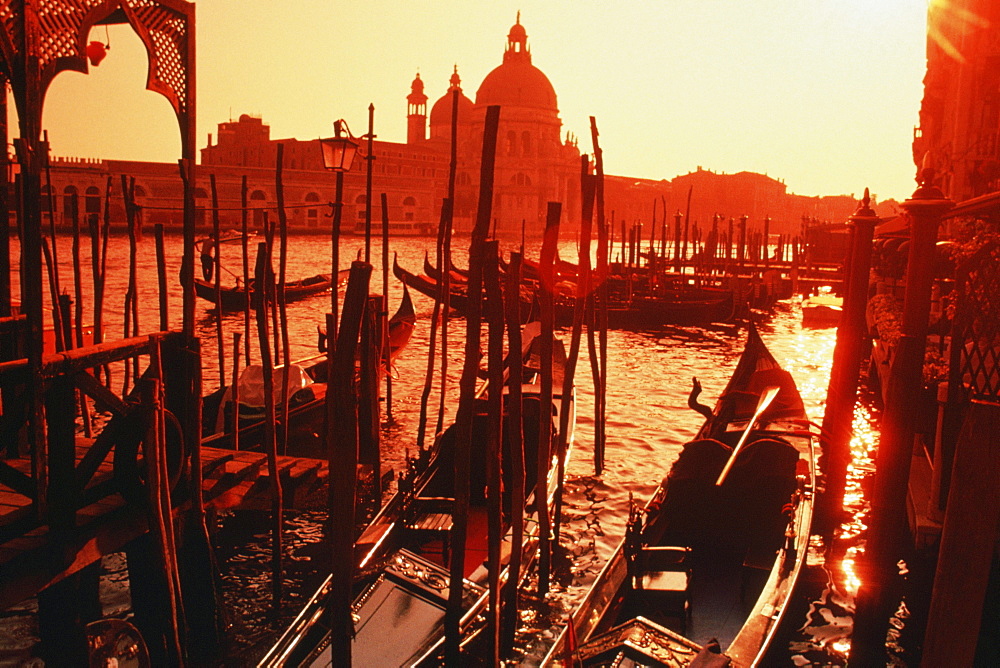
(494, 300)
(174, 595)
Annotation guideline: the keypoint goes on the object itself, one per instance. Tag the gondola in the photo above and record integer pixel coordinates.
(458, 301)
(403, 555)
(234, 297)
(458, 276)
(706, 570)
(642, 312)
(428, 286)
(307, 397)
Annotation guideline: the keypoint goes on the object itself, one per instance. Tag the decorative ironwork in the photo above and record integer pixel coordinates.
(976, 340)
(58, 32)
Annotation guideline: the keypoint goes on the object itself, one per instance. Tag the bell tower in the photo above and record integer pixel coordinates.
(416, 112)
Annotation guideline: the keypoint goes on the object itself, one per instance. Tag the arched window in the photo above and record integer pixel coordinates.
(362, 202)
(520, 179)
(511, 142)
(462, 179)
(257, 199)
(409, 204)
(140, 191)
(92, 204)
(361, 199)
(200, 192)
(312, 214)
(526, 143)
(70, 204)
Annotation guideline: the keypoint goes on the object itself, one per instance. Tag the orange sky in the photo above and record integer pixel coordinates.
(823, 94)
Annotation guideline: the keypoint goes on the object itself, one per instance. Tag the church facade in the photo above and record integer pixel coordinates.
(535, 164)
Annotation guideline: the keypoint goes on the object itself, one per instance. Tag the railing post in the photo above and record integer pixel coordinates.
(887, 530)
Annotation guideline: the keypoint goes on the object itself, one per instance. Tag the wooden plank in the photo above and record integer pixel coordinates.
(34, 562)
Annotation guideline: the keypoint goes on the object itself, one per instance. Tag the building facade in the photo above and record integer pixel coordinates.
(960, 112)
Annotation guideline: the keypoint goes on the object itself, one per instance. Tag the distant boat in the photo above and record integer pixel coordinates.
(234, 297)
(401, 228)
(822, 311)
(652, 312)
(458, 301)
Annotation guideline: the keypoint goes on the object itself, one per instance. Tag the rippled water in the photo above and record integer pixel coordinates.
(649, 378)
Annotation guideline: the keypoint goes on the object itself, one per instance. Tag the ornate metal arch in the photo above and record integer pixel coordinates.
(46, 37)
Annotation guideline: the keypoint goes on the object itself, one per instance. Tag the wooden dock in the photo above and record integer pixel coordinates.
(34, 556)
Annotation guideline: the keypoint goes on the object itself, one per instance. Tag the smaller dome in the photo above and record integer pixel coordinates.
(517, 32)
(441, 111)
(418, 85)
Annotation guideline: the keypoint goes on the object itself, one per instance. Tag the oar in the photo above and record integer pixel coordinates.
(765, 400)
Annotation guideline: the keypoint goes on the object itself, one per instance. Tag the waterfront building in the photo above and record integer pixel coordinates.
(538, 161)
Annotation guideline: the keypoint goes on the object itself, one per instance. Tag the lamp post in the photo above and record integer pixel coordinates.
(342, 436)
(370, 159)
(338, 155)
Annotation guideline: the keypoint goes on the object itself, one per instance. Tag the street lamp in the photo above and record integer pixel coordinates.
(338, 154)
(339, 150)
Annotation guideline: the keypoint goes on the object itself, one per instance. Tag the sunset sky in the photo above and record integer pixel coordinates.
(822, 94)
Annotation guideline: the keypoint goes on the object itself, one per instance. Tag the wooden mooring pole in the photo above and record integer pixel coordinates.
(467, 388)
(600, 295)
(544, 457)
(494, 315)
(515, 441)
(841, 395)
(369, 415)
(264, 279)
(342, 448)
(587, 183)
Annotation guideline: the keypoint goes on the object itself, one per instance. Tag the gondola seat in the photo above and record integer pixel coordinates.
(663, 574)
(432, 520)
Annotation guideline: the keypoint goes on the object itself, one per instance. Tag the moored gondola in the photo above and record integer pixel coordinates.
(708, 566)
(306, 394)
(457, 300)
(403, 555)
(234, 297)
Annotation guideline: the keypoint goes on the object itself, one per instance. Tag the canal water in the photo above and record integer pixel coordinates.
(649, 379)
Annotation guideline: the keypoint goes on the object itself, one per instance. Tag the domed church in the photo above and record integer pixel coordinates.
(534, 163)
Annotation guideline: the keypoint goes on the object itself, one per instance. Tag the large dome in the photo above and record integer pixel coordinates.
(517, 82)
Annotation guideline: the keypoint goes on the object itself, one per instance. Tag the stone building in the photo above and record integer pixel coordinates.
(960, 112)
